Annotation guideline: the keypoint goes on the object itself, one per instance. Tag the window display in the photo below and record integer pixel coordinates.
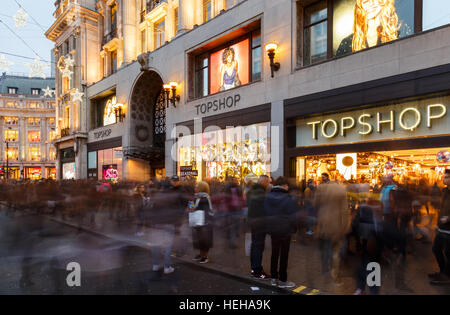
(235, 152)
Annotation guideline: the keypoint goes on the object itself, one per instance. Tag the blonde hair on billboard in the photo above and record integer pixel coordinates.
(387, 31)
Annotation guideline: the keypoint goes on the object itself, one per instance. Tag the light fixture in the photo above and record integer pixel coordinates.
(118, 110)
(271, 48)
(172, 86)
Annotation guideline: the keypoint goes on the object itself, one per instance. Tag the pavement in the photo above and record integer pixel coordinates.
(409, 277)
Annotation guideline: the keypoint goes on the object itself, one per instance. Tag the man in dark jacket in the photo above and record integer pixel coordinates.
(256, 221)
(280, 209)
(441, 246)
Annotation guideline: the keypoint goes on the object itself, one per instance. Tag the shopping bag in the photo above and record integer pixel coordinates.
(197, 218)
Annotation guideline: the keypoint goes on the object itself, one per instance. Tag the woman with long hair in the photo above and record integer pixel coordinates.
(376, 22)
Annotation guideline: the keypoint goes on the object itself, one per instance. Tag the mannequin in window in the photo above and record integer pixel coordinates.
(376, 22)
(229, 77)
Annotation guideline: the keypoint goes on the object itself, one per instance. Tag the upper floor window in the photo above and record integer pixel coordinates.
(160, 34)
(34, 136)
(34, 153)
(34, 121)
(333, 28)
(12, 90)
(51, 122)
(11, 121)
(12, 153)
(51, 135)
(232, 65)
(113, 61)
(113, 20)
(35, 91)
(143, 41)
(34, 105)
(11, 135)
(207, 10)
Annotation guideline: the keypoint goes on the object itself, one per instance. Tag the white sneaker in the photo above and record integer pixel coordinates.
(156, 267)
(310, 233)
(168, 270)
(274, 282)
(286, 285)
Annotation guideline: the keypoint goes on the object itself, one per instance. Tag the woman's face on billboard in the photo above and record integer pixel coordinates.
(372, 8)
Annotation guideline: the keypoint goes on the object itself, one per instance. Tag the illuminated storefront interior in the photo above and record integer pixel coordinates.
(417, 165)
(235, 152)
(106, 164)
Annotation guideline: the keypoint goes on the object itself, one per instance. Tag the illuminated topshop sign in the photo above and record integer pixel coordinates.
(412, 119)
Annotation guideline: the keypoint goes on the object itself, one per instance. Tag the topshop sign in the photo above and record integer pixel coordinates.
(408, 120)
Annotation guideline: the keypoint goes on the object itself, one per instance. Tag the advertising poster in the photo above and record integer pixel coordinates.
(361, 24)
(69, 170)
(110, 172)
(230, 67)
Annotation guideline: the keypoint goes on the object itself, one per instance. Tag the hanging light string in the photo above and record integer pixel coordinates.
(25, 57)
(30, 15)
(18, 36)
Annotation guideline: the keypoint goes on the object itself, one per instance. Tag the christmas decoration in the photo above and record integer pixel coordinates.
(389, 165)
(20, 18)
(48, 92)
(443, 157)
(69, 62)
(77, 96)
(36, 68)
(4, 64)
(66, 72)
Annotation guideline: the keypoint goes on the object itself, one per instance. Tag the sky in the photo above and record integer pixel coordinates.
(32, 34)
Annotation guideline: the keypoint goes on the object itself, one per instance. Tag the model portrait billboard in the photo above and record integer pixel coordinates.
(361, 24)
(230, 67)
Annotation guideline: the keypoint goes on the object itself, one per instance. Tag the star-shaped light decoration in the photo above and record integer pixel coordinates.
(4, 64)
(69, 62)
(66, 72)
(48, 92)
(77, 96)
(20, 18)
(36, 68)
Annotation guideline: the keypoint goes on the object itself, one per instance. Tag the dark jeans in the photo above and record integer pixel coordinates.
(256, 250)
(280, 252)
(441, 250)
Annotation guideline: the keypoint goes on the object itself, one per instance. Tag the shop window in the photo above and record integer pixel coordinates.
(109, 164)
(12, 153)
(109, 114)
(337, 28)
(228, 67)
(14, 121)
(11, 135)
(34, 153)
(435, 13)
(160, 33)
(34, 136)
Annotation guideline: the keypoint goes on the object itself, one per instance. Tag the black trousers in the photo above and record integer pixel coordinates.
(280, 253)
(441, 250)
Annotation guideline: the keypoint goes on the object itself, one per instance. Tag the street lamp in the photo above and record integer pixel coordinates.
(271, 49)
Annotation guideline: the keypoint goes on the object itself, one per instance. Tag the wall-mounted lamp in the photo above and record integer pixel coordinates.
(271, 48)
(172, 86)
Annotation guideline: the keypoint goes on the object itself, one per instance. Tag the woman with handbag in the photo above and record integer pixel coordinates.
(200, 219)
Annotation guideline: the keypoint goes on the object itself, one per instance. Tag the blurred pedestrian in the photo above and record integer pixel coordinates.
(280, 209)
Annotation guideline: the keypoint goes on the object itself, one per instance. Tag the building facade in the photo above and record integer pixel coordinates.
(28, 128)
(193, 87)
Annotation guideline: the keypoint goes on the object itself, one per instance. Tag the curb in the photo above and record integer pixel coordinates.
(298, 290)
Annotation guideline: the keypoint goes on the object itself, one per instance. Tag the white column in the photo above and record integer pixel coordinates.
(277, 139)
(186, 15)
(129, 31)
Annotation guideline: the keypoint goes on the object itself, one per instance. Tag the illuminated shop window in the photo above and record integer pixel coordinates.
(51, 135)
(34, 153)
(11, 135)
(228, 67)
(109, 116)
(237, 152)
(52, 154)
(51, 121)
(12, 153)
(34, 136)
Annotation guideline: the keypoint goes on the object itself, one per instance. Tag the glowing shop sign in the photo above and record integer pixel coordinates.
(110, 172)
(409, 119)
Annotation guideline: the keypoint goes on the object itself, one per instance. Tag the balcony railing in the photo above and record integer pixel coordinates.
(151, 4)
(65, 132)
(110, 36)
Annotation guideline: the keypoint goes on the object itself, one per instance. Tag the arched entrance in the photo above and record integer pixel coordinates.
(148, 121)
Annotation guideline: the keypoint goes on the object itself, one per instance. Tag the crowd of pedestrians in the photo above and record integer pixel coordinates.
(376, 224)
